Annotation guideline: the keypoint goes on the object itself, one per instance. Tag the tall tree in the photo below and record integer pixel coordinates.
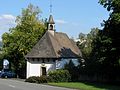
(86, 48)
(22, 38)
(73, 70)
(105, 57)
(85, 43)
(112, 31)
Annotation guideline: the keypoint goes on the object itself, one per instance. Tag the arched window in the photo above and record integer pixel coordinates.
(51, 27)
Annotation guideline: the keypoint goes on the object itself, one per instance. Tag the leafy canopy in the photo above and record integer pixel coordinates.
(20, 39)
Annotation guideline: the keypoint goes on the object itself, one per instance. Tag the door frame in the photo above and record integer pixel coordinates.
(41, 70)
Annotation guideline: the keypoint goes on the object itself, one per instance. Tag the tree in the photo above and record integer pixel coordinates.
(73, 70)
(20, 39)
(105, 58)
(112, 31)
(86, 47)
(85, 43)
(1, 55)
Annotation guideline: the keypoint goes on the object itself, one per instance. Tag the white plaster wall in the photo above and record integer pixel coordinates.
(34, 67)
(28, 69)
(33, 70)
(50, 66)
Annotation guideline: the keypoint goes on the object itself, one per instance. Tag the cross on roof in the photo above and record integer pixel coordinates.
(51, 6)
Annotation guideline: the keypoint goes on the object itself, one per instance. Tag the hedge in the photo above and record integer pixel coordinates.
(59, 76)
(36, 79)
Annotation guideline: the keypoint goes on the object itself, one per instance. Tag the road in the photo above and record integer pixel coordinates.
(9, 84)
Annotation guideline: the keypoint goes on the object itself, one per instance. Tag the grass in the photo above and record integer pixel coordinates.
(86, 86)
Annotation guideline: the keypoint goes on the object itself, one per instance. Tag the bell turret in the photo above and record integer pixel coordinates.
(51, 25)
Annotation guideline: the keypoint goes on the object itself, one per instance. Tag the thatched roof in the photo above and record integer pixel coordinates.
(57, 46)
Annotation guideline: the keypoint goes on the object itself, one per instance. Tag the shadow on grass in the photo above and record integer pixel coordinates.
(105, 86)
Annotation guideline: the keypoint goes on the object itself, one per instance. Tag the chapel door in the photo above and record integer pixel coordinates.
(43, 70)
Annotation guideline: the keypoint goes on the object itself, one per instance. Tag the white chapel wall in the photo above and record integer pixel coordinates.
(34, 67)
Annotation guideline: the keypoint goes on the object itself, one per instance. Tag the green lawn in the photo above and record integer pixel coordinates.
(87, 86)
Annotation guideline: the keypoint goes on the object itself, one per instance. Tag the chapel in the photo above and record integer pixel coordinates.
(49, 50)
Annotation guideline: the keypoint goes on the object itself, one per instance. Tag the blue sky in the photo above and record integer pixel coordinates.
(71, 16)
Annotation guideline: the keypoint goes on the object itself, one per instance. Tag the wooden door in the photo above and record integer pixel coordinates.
(43, 70)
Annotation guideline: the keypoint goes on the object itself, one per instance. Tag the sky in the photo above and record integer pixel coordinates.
(71, 16)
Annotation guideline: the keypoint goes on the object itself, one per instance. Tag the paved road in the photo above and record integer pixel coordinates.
(9, 84)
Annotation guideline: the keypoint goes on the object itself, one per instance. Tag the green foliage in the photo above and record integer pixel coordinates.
(1, 61)
(104, 58)
(35, 79)
(110, 38)
(101, 48)
(73, 70)
(1, 44)
(85, 43)
(32, 79)
(111, 4)
(20, 39)
(42, 79)
(59, 76)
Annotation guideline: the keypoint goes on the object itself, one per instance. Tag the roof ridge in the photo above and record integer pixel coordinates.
(51, 43)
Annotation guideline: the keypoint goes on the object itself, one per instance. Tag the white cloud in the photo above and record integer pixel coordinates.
(11, 17)
(6, 21)
(61, 21)
(75, 24)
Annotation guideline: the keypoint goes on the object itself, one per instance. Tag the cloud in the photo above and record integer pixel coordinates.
(61, 21)
(10, 17)
(6, 21)
(75, 24)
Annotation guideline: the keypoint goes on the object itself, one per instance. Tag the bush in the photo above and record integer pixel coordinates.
(59, 76)
(42, 79)
(73, 70)
(36, 79)
(32, 79)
